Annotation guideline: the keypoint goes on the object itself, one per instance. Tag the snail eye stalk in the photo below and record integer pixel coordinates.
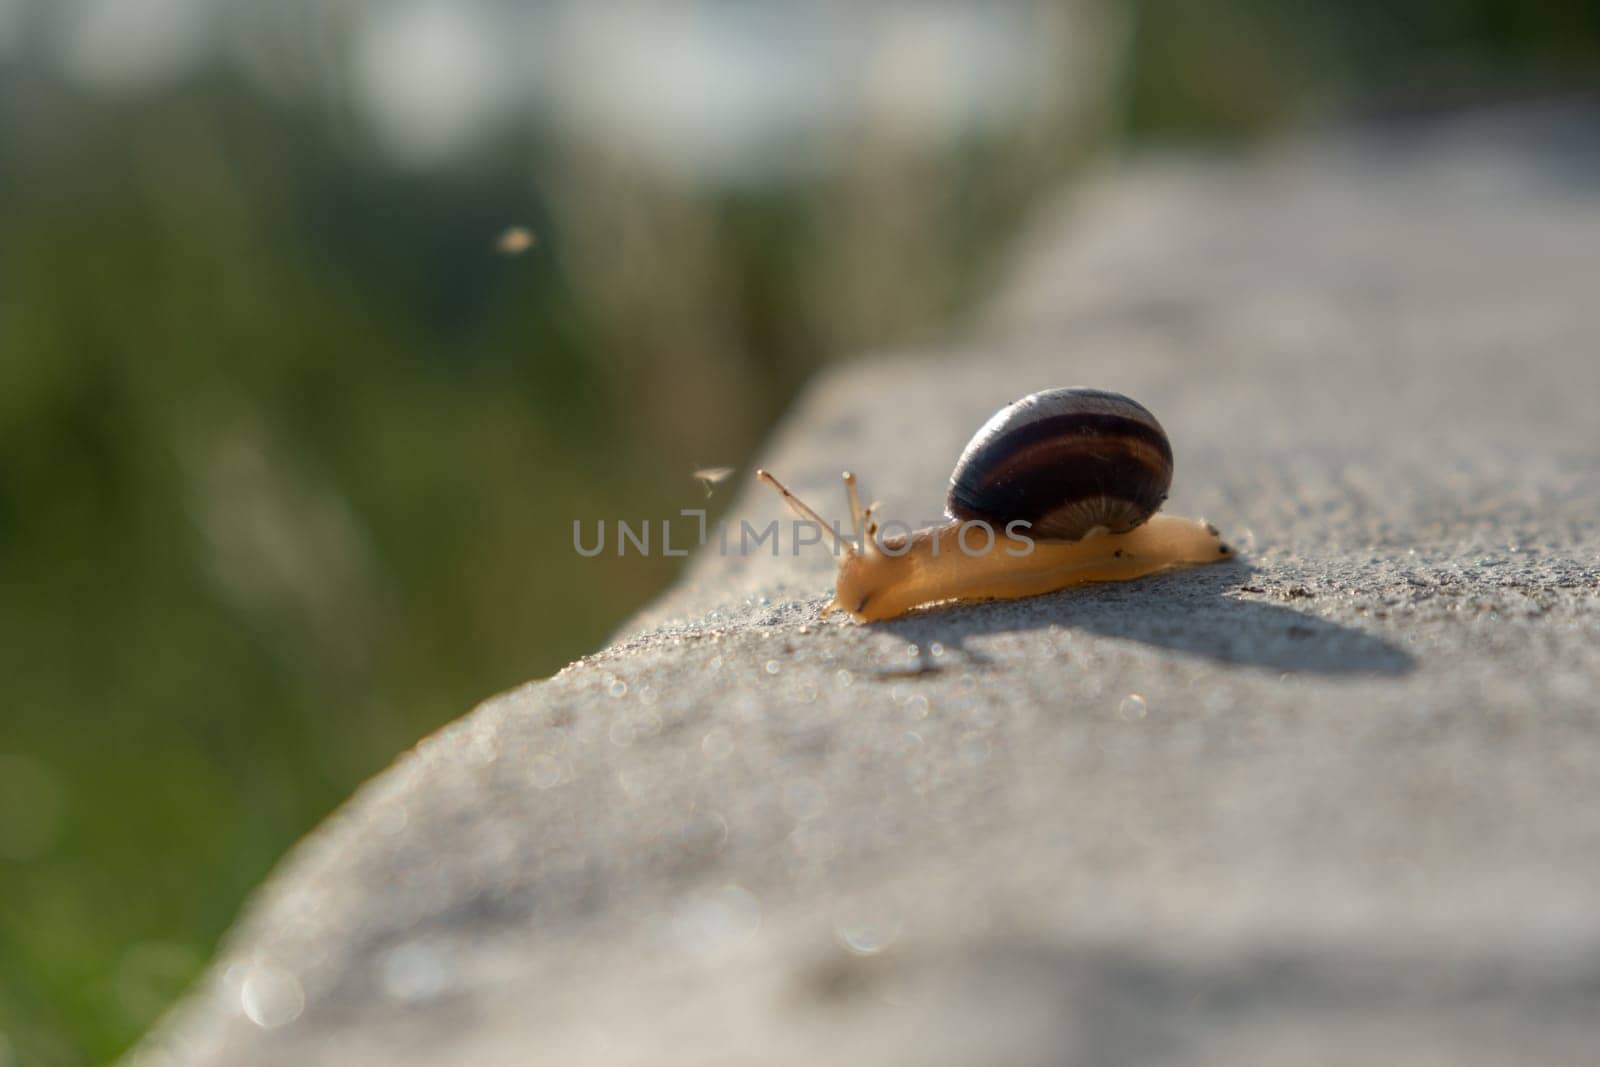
(804, 510)
(857, 516)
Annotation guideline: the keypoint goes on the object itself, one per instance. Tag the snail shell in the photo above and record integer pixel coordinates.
(1066, 461)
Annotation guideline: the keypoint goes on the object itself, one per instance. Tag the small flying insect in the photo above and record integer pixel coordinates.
(710, 476)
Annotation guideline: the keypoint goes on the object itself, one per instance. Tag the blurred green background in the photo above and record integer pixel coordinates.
(290, 445)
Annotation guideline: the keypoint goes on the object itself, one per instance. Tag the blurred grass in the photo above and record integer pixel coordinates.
(289, 454)
(289, 457)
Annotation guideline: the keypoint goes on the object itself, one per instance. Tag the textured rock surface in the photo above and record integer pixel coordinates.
(1339, 803)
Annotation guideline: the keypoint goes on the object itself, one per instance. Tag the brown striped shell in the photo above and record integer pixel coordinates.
(1065, 461)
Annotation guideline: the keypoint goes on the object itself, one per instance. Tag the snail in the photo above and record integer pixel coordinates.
(1058, 489)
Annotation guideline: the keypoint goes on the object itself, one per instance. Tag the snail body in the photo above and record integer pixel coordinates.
(1057, 489)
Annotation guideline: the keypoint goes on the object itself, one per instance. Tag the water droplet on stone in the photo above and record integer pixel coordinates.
(844, 678)
(975, 750)
(773, 666)
(705, 835)
(717, 744)
(618, 688)
(802, 798)
(912, 652)
(544, 772)
(712, 923)
(415, 971)
(866, 934)
(1133, 707)
(634, 781)
(270, 996)
(861, 940)
(936, 649)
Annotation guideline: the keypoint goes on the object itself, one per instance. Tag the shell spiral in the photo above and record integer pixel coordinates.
(1065, 461)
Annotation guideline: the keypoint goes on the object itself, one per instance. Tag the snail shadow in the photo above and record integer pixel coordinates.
(1196, 612)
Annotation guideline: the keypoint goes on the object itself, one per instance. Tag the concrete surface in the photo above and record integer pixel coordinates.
(1336, 804)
